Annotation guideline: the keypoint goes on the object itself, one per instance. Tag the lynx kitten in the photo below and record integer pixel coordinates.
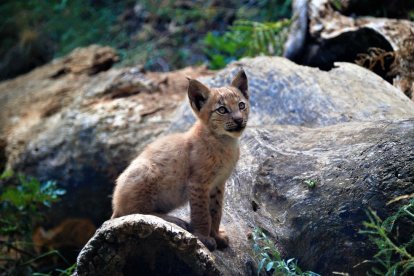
(190, 166)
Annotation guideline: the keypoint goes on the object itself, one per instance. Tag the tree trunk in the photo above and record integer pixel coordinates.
(321, 35)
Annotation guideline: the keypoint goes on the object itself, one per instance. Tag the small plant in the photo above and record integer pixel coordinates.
(392, 258)
(337, 4)
(246, 38)
(311, 183)
(269, 258)
(22, 200)
(60, 272)
(21, 203)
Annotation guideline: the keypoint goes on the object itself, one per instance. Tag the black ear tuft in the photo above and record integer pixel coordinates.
(198, 94)
(240, 82)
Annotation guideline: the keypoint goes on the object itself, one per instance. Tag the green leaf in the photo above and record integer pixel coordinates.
(265, 255)
(270, 258)
(290, 260)
(269, 266)
(6, 175)
(217, 61)
(311, 183)
(260, 266)
(246, 38)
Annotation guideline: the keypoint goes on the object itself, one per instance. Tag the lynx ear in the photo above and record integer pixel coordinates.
(240, 82)
(198, 94)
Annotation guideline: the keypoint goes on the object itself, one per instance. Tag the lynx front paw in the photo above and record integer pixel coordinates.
(222, 240)
(209, 242)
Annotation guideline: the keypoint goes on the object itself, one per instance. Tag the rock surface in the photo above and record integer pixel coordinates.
(356, 166)
(282, 92)
(67, 122)
(83, 130)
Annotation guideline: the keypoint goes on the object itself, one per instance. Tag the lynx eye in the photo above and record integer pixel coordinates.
(222, 110)
(242, 106)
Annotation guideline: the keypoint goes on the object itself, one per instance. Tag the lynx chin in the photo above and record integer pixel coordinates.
(191, 166)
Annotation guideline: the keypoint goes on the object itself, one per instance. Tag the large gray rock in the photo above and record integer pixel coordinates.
(282, 92)
(87, 143)
(356, 166)
(68, 121)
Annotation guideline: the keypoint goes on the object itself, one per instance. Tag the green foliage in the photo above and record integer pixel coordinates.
(169, 37)
(68, 271)
(246, 38)
(22, 201)
(161, 35)
(175, 36)
(337, 4)
(60, 272)
(20, 204)
(168, 9)
(392, 258)
(270, 260)
(69, 24)
(265, 10)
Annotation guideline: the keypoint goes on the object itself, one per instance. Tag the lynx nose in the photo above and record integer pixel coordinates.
(238, 121)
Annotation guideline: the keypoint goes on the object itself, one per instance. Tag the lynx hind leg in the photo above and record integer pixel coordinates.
(177, 221)
(141, 201)
(133, 197)
(208, 242)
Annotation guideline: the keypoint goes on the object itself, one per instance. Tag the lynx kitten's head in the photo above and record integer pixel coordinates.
(224, 110)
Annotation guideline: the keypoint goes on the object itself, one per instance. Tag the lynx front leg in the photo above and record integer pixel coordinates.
(216, 209)
(200, 216)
